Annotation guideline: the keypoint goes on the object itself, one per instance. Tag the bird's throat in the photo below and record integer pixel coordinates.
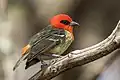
(69, 28)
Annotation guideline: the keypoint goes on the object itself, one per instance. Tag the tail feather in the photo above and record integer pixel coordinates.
(32, 62)
(19, 61)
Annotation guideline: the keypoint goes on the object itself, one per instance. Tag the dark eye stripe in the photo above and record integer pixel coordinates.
(65, 22)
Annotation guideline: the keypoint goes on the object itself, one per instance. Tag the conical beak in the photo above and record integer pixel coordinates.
(73, 23)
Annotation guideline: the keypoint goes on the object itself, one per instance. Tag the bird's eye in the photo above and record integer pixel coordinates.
(65, 22)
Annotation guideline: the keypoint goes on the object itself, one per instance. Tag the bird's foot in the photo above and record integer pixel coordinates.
(56, 56)
(44, 65)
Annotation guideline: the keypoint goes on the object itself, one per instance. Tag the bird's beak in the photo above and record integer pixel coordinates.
(73, 23)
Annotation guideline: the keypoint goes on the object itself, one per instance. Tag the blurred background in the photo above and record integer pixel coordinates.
(21, 19)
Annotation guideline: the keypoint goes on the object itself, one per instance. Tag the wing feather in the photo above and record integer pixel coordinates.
(42, 42)
(45, 43)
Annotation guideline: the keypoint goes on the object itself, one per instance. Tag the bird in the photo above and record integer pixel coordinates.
(50, 42)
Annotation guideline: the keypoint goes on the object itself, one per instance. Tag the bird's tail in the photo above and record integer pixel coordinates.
(19, 61)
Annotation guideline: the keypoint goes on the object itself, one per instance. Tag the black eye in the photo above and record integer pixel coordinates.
(65, 22)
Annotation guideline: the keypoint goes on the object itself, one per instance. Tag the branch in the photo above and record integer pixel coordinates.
(81, 57)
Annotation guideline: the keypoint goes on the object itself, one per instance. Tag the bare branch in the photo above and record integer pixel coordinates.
(81, 57)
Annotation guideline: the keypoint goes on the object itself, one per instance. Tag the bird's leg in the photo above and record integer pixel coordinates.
(51, 56)
(56, 55)
(43, 63)
(47, 59)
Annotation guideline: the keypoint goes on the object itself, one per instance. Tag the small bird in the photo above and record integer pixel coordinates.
(50, 42)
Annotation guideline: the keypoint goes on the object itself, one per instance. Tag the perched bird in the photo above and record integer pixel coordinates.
(52, 41)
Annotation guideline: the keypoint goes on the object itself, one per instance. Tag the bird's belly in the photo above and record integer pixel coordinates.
(61, 48)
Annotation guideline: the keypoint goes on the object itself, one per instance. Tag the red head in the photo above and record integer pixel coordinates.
(63, 21)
